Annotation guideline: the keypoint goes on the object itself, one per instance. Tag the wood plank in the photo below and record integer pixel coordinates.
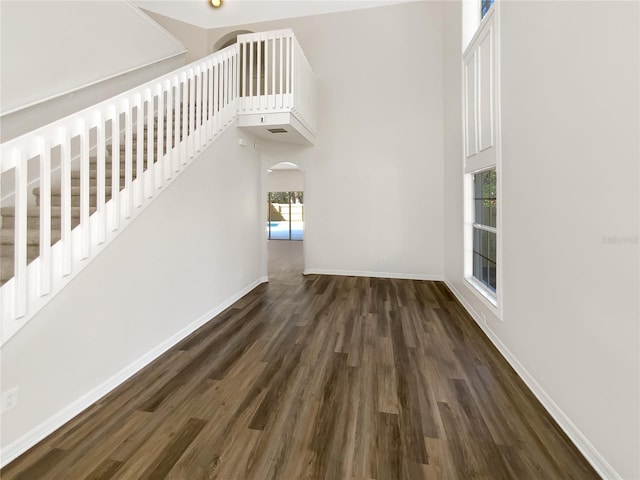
(312, 377)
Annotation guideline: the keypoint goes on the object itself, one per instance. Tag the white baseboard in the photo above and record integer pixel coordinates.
(597, 461)
(355, 273)
(31, 438)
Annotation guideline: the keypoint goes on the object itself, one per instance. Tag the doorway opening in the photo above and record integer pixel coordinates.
(285, 220)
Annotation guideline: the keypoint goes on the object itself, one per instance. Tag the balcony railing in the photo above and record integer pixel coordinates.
(275, 76)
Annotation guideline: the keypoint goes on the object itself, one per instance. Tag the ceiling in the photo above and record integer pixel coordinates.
(238, 12)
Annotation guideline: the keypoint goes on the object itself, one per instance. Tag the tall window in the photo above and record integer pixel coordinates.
(484, 229)
(485, 6)
(483, 162)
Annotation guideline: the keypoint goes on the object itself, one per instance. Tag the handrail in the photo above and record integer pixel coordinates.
(152, 132)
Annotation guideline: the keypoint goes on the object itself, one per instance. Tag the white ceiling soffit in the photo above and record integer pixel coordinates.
(239, 12)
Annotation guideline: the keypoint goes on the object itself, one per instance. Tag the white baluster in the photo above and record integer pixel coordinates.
(140, 177)
(216, 95)
(192, 118)
(115, 168)
(280, 103)
(175, 154)
(203, 90)
(163, 163)
(272, 100)
(210, 83)
(65, 202)
(264, 101)
(45, 216)
(243, 73)
(150, 123)
(20, 234)
(165, 172)
(128, 160)
(259, 73)
(185, 125)
(251, 92)
(288, 87)
(100, 178)
(85, 191)
(197, 82)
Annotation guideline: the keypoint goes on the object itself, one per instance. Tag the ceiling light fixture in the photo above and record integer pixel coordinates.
(216, 3)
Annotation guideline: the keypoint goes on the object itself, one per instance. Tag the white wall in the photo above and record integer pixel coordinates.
(195, 39)
(379, 144)
(285, 181)
(571, 206)
(179, 263)
(74, 54)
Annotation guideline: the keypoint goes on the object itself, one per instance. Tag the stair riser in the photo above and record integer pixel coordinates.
(34, 222)
(8, 252)
(75, 181)
(76, 189)
(75, 200)
(93, 174)
(33, 240)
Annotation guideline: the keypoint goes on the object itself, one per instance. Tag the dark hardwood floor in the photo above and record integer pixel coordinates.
(318, 377)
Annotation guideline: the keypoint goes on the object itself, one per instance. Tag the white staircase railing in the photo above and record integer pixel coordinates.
(152, 132)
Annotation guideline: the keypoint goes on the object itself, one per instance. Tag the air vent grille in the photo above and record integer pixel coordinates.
(277, 130)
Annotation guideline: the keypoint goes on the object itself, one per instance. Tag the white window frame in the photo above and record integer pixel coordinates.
(479, 158)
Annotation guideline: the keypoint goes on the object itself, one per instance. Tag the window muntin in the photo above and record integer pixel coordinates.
(485, 229)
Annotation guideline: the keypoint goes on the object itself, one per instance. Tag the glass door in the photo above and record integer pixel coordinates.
(286, 215)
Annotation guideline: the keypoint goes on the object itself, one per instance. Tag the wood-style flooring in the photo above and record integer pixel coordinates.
(318, 377)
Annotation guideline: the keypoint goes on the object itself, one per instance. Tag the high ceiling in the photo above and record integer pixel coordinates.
(237, 12)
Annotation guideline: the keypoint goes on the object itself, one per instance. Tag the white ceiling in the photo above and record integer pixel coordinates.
(238, 12)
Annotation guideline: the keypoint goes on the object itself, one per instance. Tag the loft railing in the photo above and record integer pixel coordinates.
(121, 153)
(275, 76)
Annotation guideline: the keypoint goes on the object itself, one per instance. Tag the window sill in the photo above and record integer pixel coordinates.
(487, 297)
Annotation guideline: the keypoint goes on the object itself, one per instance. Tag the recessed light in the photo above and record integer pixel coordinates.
(216, 3)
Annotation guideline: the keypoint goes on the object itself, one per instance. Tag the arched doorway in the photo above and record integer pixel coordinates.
(285, 219)
(228, 39)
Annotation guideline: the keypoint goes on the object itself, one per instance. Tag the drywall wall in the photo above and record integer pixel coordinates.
(571, 207)
(168, 269)
(192, 37)
(30, 118)
(379, 144)
(285, 181)
(83, 52)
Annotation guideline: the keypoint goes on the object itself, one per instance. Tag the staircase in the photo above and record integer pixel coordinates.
(146, 137)
(7, 232)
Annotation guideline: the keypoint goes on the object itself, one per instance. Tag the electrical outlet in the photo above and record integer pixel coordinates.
(9, 399)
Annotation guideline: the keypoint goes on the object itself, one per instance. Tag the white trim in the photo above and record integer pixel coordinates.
(484, 294)
(356, 273)
(597, 461)
(35, 435)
